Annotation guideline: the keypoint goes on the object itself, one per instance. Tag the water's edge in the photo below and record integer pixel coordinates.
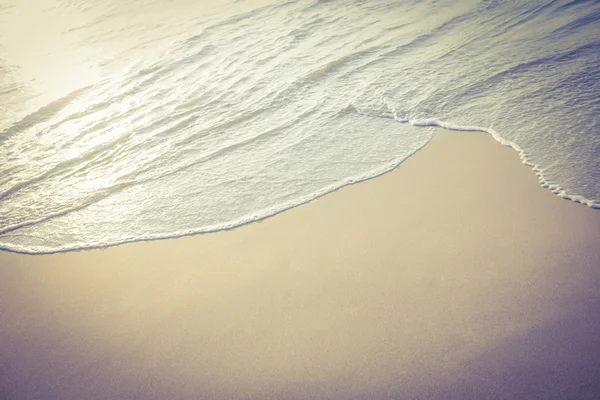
(425, 123)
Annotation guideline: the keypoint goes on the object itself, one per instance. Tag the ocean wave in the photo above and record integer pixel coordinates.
(267, 106)
(523, 155)
(254, 217)
(399, 117)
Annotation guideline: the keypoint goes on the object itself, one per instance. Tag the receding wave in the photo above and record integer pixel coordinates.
(201, 123)
(421, 122)
(525, 158)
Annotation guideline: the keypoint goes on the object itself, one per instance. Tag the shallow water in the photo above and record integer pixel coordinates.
(123, 122)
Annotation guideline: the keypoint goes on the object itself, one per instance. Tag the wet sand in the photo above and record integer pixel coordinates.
(455, 276)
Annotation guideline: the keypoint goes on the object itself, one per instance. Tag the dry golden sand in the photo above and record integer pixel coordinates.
(454, 276)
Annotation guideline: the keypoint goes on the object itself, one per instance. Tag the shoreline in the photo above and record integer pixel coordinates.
(455, 275)
(439, 125)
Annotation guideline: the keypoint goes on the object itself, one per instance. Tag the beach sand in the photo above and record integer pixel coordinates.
(455, 276)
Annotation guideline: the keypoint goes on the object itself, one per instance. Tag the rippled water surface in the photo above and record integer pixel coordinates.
(124, 121)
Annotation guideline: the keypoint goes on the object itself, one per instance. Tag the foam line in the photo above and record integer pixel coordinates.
(255, 217)
(525, 158)
(269, 212)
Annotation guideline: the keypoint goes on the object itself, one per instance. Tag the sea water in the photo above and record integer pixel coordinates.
(124, 121)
